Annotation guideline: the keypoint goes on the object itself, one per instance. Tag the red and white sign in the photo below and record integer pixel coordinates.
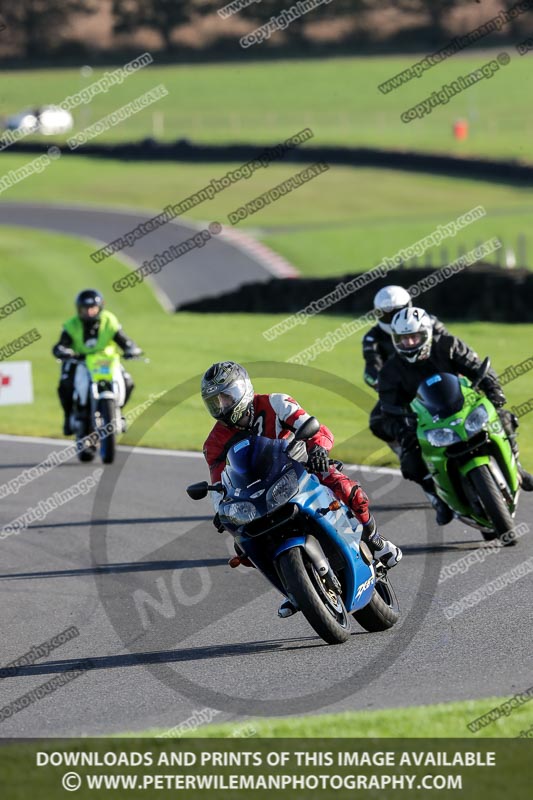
(16, 385)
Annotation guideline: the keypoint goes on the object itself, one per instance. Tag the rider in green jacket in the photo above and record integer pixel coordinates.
(91, 330)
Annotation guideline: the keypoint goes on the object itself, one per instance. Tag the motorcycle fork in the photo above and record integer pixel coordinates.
(497, 473)
(318, 559)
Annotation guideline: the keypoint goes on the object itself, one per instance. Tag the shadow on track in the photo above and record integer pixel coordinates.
(400, 506)
(19, 466)
(456, 547)
(133, 566)
(170, 656)
(88, 523)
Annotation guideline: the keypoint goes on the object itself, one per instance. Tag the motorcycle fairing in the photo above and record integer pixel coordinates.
(253, 466)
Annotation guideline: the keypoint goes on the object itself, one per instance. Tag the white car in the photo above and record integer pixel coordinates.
(48, 120)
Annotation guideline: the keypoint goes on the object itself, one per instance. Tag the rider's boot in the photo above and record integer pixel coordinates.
(287, 609)
(443, 511)
(382, 549)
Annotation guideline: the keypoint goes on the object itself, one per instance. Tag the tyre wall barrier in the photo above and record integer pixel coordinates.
(499, 170)
(480, 292)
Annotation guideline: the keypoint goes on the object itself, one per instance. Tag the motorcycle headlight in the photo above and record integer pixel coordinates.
(476, 419)
(441, 437)
(282, 491)
(240, 513)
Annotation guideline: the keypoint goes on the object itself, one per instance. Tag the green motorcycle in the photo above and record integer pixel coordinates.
(468, 453)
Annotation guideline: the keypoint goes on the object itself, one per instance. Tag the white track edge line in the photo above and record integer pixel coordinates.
(154, 451)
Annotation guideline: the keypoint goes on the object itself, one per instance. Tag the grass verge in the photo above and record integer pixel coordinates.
(48, 270)
(446, 720)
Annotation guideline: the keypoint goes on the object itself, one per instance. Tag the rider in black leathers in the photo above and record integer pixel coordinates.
(420, 354)
(378, 348)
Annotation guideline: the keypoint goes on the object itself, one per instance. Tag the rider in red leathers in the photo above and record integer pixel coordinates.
(230, 398)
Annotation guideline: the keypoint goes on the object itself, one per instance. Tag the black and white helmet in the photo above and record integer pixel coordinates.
(412, 334)
(388, 301)
(227, 391)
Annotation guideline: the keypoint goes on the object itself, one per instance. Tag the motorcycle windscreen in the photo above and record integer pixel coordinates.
(255, 459)
(441, 394)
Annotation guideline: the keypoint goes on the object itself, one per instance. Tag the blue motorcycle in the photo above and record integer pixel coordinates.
(301, 537)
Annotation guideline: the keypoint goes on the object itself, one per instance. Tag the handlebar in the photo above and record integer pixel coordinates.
(81, 357)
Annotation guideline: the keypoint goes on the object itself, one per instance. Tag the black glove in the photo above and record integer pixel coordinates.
(132, 352)
(217, 523)
(64, 353)
(371, 381)
(318, 459)
(493, 391)
(408, 439)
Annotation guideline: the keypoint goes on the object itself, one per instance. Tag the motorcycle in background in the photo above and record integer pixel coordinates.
(467, 452)
(99, 394)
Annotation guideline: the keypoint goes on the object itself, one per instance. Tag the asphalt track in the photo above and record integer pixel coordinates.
(167, 629)
(198, 273)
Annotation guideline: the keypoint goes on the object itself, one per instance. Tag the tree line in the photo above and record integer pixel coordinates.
(40, 25)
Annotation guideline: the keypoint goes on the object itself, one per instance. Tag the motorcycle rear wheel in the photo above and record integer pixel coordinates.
(383, 610)
(328, 617)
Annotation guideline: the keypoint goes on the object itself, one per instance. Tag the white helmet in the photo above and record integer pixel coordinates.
(389, 301)
(412, 334)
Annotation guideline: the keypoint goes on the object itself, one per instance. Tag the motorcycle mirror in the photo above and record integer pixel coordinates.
(197, 491)
(483, 370)
(308, 429)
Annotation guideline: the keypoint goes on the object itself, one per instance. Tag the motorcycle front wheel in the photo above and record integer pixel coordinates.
(106, 409)
(494, 504)
(320, 605)
(85, 449)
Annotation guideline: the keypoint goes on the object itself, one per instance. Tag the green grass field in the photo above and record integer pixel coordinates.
(447, 720)
(181, 346)
(337, 98)
(345, 220)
